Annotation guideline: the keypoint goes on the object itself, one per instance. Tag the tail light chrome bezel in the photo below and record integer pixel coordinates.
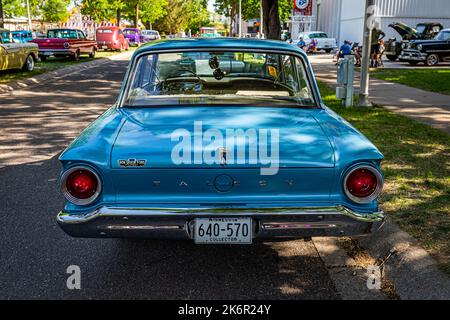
(374, 195)
(73, 199)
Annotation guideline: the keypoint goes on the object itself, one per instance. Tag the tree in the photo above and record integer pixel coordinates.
(55, 10)
(14, 8)
(229, 8)
(273, 12)
(18, 8)
(101, 10)
(183, 15)
(152, 10)
(98, 10)
(271, 17)
(1, 14)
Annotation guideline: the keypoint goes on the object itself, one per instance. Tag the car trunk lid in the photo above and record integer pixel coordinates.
(160, 137)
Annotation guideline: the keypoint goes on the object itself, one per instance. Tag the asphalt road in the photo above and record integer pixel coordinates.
(35, 126)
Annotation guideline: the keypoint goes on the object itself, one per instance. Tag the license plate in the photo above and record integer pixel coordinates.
(48, 53)
(223, 230)
(104, 47)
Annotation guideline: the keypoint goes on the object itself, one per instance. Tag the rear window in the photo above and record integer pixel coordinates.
(5, 36)
(129, 31)
(217, 78)
(443, 36)
(104, 31)
(64, 34)
(318, 35)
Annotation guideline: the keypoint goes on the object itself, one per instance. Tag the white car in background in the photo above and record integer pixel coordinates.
(323, 41)
(149, 35)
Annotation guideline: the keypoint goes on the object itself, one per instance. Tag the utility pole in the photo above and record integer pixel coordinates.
(240, 18)
(29, 15)
(364, 84)
(1, 15)
(261, 17)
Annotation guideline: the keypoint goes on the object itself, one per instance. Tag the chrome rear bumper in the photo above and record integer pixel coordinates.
(167, 223)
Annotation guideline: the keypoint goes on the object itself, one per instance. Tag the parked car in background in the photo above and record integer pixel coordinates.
(136, 172)
(431, 52)
(69, 43)
(323, 41)
(22, 36)
(423, 31)
(111, 38)
(15, 55)
(133, 35)
(149, 35)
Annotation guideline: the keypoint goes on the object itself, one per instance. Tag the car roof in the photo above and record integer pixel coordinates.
(64, 29)
(108, 27)
(219, 43)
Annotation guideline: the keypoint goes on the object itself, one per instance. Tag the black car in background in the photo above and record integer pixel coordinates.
(431, 52)
(423, 31)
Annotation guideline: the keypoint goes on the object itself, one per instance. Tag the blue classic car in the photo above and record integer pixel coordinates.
(22, 36)
(220, 141)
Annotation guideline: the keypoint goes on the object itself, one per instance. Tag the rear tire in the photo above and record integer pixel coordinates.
(432, 60)
(43, 58)
(92, 54)
(328, 50)
(413, 63)
(75, 56)
(28, 66)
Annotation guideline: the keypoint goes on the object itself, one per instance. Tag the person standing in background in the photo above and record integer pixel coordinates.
(377, 35)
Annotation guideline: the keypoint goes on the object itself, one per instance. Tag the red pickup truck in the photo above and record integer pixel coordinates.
(69, 43)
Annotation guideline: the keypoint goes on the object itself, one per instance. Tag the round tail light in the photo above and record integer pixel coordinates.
(80, 185)
(363, 184)
(66, 45)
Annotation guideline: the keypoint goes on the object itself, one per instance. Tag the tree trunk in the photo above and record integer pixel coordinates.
(233, 12)
(272, 25)
(136, 18)
(2, 25)
(118, 17)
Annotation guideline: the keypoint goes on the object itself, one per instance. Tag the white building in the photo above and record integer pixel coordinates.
(343, 19)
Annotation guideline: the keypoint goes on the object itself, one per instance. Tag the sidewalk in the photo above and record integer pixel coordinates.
(28, 83)
(424, 106)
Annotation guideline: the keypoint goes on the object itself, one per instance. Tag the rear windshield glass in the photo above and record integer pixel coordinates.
(217, 78)
(104, 31)
(443, 35)
(65, 34)
(129, 31)
(318, 35)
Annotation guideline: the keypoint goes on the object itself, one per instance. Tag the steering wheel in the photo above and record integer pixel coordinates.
(180, 84)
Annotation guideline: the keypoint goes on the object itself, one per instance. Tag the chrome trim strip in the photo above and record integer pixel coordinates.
(181, 212)
(55, 50)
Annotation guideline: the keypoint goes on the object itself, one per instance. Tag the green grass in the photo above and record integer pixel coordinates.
(50, 64)
(417, 172)
(435, 80)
